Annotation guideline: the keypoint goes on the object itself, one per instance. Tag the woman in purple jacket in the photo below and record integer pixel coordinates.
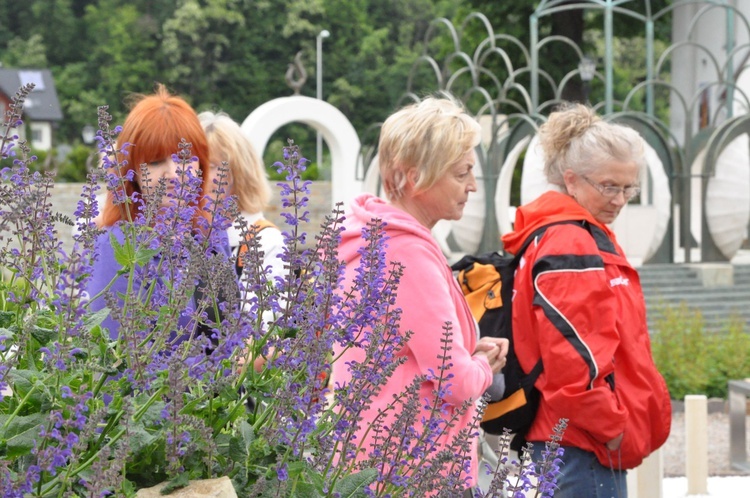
(155, 221)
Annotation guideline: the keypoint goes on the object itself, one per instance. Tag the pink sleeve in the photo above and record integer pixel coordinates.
(428, 304)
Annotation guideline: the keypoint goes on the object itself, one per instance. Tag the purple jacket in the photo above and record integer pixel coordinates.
(105, 271)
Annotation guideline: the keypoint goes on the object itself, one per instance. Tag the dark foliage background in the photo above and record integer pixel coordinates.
(232, 55)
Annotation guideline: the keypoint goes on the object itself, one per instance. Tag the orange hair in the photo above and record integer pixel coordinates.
(155, 126)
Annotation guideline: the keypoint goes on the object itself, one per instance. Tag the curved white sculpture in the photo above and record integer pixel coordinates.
(468, 231)
(640, 228)
(337, 131)
(727, 200)
(504, 212)
(372, 183)
(533, 181)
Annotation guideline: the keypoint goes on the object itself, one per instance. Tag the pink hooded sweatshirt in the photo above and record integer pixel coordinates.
(428, 296)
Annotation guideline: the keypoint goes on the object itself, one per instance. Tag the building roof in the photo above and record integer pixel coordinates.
(42, 103)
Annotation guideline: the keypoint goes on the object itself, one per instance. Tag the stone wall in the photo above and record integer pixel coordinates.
(66, 195)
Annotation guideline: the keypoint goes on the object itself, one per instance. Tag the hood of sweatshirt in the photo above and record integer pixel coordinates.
(548, 208)
(366, 207)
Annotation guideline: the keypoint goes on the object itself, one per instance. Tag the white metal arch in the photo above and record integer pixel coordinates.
(337, 131)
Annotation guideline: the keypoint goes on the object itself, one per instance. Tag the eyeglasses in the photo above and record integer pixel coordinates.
(610, 192)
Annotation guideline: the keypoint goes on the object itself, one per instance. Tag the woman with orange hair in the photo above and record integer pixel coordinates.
(154, 129)
(155, 212)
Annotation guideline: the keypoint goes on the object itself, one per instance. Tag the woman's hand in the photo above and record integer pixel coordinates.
(614, 444)
(258, 364)
(495, 350)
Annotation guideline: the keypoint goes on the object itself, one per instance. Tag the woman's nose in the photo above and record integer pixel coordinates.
(620, 199)
(472, 186)
(170, 169)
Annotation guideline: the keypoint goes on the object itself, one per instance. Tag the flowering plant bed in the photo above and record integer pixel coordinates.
(85, 412)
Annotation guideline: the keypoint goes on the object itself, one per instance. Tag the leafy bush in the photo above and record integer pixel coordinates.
(694, 361)
(74, 167)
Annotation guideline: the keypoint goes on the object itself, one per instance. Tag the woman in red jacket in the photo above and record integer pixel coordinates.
(579, 307)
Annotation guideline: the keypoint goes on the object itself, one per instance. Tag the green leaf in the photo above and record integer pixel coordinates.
(21, 433)
(95, 318)
(7, 318)
(237, 451)
(128, 488)
(6, 335)
(43, 335)
(353, 485)
(305, 490)
(295, 468)
(143, 255)
(153, 416)
(45, 318)
(22, 382)
(178, 482)
(124, 253)
(222, 441)
(317, 479)
(140, 438)
(248, 436)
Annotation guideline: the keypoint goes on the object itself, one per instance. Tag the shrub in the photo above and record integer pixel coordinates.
(694, 361)
(74, 167)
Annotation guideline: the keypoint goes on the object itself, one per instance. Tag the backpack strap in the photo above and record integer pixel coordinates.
(258, 227)
(539, 231)
(538, 366)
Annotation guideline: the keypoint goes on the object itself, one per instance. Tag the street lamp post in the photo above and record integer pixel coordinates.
(88, 134)
(587, 69)
(319, 90)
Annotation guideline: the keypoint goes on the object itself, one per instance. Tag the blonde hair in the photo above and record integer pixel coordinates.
(575, 138)
(428, 136)
(249, 178)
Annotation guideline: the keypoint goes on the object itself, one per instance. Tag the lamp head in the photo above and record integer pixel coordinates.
(324, 34)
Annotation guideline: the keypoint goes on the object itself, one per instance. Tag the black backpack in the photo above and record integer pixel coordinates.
(487, 283)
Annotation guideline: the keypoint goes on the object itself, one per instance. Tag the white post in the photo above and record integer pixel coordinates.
(645, 481)
(319, 91)
(696, 444)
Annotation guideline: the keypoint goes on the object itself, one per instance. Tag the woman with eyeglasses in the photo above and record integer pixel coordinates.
(579, 307)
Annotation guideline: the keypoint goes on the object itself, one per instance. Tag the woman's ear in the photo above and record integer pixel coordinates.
(571, 182)
(412, 177)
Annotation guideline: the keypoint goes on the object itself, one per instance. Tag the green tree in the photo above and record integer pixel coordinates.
(194, 41)
(370, 58)
(121, 57)
(62, 42)
(26, 53)
(78, 100)
(16, 20)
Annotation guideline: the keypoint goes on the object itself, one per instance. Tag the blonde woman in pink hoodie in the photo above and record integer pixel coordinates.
(427, 161)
